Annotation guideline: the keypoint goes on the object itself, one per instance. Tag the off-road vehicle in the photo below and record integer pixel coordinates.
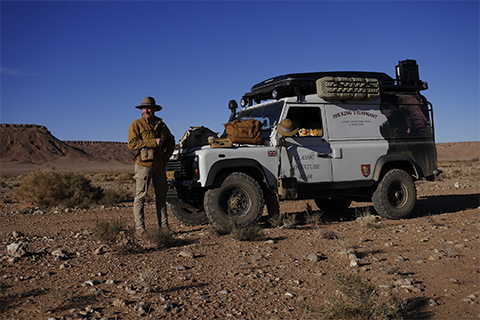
(362, 136)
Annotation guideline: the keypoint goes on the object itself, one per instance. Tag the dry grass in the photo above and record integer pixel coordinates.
(163, 238)
(49, 188)
(356, 300)
(313, 217)
(365, 218)
(147, 279)
(284, 220)
(248, 233)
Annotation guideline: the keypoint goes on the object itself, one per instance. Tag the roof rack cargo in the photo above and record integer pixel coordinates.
(299, 84)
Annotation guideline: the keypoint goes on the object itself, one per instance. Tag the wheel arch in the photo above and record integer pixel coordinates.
(245, 165)
(396, 161)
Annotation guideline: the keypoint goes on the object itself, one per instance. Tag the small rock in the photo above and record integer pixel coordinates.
(61, 254)
(93, 282)
(313, 257)
(17, 234)
(179, 268)
(432, 303)
(186, 254)
(400, 258)
(223, 292)
(17, 249)
(119, 303)
(101, 250)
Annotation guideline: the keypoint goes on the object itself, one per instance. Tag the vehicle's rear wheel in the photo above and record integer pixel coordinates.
(187, 216)
(332, 206)
(237, 200)
(395, 195)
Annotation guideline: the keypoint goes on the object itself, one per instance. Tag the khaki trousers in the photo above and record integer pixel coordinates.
(143, 178)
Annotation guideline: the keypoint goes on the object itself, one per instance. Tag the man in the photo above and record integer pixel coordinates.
(155, 144)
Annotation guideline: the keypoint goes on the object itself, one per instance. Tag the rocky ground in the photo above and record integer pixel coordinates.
(429, 262)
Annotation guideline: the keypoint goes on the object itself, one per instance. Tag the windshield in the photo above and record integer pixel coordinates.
(267, 113)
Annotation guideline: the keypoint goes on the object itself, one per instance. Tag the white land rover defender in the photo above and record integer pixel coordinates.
(363, 136)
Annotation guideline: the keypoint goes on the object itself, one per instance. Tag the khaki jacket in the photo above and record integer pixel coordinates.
(141, 134)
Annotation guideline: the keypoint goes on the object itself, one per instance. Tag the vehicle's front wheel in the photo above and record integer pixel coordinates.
(236, 200)
(395, 195)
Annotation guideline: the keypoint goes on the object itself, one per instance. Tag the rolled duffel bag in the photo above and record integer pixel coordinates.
(246, 131)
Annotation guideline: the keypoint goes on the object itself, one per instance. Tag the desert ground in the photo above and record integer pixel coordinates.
(428, 263)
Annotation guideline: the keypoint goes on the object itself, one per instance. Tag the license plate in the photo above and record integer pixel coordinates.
(170, 175)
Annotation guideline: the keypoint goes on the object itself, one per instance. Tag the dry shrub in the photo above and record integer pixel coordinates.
(115, 196)
(356, 300)
(162, 237)
(313, 217)
(365, 218)
(146, 279)
(252, 232)
(49, 188)
(108, 232)
(284, 220)
(248, 233)
(125, 176)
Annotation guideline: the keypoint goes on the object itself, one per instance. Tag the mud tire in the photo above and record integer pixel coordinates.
(395, 195)
(237, 200)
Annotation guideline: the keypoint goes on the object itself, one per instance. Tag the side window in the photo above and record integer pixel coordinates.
(308, 120)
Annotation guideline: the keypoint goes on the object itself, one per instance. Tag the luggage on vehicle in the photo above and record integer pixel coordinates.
(246, 131)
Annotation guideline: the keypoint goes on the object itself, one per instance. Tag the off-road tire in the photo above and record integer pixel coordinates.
(236, 200)
(395, 195)
(332, 206)
(187, 217)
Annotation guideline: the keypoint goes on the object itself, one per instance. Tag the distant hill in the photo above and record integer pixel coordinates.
(26, 147)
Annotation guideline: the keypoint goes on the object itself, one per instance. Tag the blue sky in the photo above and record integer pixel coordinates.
(80, 67)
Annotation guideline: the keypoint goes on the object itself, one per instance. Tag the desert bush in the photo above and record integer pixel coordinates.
(50, 188)
(101, 177)
(356, 300)
(313, 217)
(116, 236)
(161, 237)
(252, 232)
(326, 234)
(108, 232)
(365, 218)
(146, 279)
(115, 196)
(284, 220)
(125, 176)
(248, 233)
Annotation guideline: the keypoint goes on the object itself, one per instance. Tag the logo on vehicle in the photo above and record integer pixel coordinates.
(365, 170)
(272, 153)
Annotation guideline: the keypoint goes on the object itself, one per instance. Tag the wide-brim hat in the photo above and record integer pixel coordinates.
(287, 128)
(149, 102)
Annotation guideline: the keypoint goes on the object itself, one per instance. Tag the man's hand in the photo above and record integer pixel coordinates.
(159, 141)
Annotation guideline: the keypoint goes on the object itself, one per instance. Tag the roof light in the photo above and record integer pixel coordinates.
(274, 94)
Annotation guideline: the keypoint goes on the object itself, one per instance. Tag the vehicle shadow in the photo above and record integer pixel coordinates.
(435, 205)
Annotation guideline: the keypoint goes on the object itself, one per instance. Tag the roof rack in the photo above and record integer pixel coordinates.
(300, 84)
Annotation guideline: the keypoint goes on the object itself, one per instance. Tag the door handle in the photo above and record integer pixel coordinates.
(322, 155)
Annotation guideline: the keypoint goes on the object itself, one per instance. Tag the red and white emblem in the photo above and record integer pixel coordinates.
(365, 170)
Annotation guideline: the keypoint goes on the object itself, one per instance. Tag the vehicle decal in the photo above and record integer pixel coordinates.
(365, 170)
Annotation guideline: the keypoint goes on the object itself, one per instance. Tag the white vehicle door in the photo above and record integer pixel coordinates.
(310, 153)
